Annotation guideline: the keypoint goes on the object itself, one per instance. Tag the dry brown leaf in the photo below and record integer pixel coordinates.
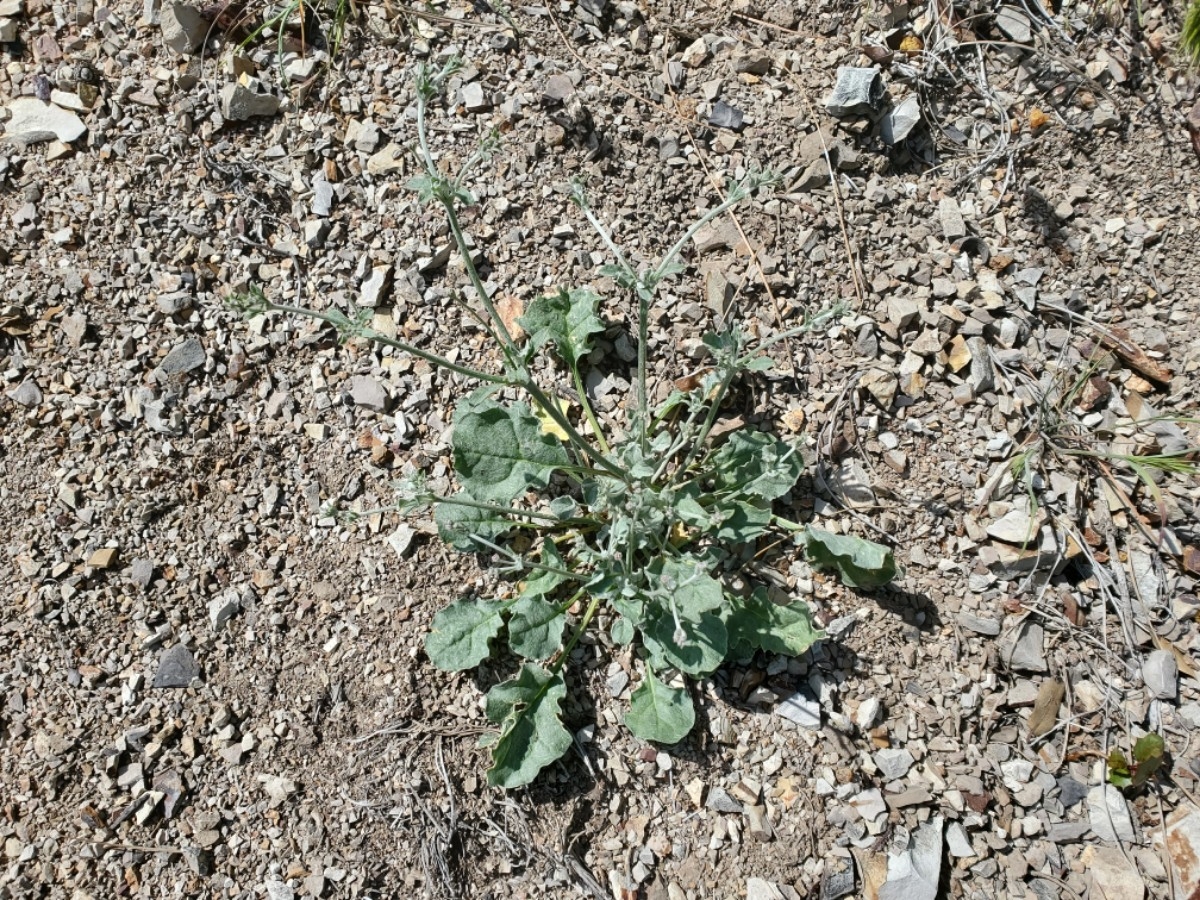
(912, 44)
(1037, 119)
(1119, 342)
(511, 308)
(793, 419)
(1045, 707)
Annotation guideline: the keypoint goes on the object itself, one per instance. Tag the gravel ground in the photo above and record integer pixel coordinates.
(214, 687)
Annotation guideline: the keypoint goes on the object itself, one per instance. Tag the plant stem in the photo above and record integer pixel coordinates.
(709, 419)
(371, 334)
(578, 441)
(587, 409)
(593, 605)
(455, 500)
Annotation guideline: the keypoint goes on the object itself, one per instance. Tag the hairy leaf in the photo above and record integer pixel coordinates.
(567, 320)
(456, 524)
(860, 563)
(531, 735)
(659, 712)
(742, 521)
(535, 627)
(689, 584)
(542, 582)
(695, 646)
(756, 621)
(756, 464)
(501, 451)
(460, 634)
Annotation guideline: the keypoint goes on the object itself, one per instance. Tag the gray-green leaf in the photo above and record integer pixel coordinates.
(500, 452)
(461, 633)
(757, 464)
(567, 320)
(659, 712)
(695, 646)
(456, 524)
(535, 627)
(860, 563)
(769, 626)
(742, 521)
(531, 735)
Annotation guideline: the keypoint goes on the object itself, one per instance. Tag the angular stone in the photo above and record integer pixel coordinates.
(1109, 814)
(901, 120)
(366, 391)
(474, 98)
(914, 874)
(33, 121)
(1161, 674)
(187, 356)
(802, 710)
(893, 762)
(957, 841)
(725, 116)
(242, 101)
(858, 91)
(176, 668)
(978, 624)
(27, 393)
(719, 800)
(1015, 24)
(393, 156)
(953, 226)
(222, 609)
(183, 28)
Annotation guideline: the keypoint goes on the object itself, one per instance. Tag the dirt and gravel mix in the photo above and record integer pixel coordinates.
(211, 685)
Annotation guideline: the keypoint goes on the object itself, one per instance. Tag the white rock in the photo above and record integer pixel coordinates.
(758, 889)
(240, 102)
(1161, 674)
(894, 762)
(1114, 875)
(802, 710)
(31, 121)
(867, 716)
(914, 874)
(1109, 814)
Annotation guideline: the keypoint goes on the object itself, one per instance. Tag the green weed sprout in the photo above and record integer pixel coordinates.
(637, 525)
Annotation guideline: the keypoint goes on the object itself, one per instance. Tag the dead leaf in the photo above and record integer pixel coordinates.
(510, 309)
(912, 44)
(14, 321)
(872, 868)
(793, 419)
(959, 354)
(1045, 707)
(1037, 119)
(1119, 342)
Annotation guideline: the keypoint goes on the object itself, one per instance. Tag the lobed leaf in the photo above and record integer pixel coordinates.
(860, 563)
(531, 736)
(659, 712)
(757, 464)
(567, 320)
(757, 621)
(460, 635)
(501, 451)
(742, 521)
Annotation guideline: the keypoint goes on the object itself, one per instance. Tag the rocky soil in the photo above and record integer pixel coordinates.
(213, 686)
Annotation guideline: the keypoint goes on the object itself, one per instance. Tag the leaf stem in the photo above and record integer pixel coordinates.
(341, 322)
(587, 409)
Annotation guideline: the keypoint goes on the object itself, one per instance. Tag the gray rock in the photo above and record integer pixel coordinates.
(401, 540)
(366, 391)
(141, 572)
(279, 890)
(901, 120)
(1070, 791)
(322, 203)
(725, 116)
(1015, 24)
(835, 885)
(674, 74)
(719, 800)
(914, 874)
(222, 609)
(559, 88)
(868, 714)
(801, 709)
(957, 841)
(754, 62)
(982, 374)
(1109, 814)
(858, 91)
(894, 762)
(27, 393)
(1105, 116)
(240, 101)
(474, 99)
(187, 356)
(760, 889)
(183, 28)
(176, 668)
(368, 137)
(978, 624)
(393, 156)
(1161, 674)
(9, 30)
(316, 231)
(375, 286)
(1016, 526)
(1067, 832)
(33, 121)
(953, 226)
(1026, 651)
